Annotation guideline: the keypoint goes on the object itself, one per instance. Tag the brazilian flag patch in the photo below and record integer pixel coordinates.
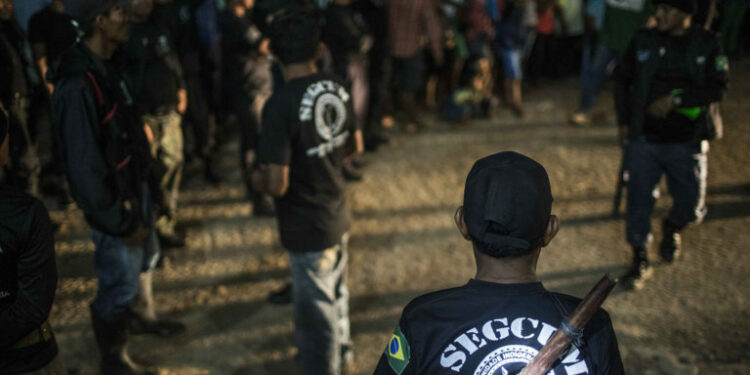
(722, 64)
(398, 351)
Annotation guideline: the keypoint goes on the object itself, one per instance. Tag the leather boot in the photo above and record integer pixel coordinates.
(636, 276)
(143, 318)
(669, 249)
(112, 338)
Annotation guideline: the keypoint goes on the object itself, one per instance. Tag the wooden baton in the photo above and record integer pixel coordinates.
(560, 342)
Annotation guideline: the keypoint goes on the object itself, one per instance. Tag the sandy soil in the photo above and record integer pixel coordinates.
(692, 318)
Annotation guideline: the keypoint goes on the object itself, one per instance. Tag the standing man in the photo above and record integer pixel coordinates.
(498, 321)
(622, 18)
(308, 129)
(28, 278)
(179, 17)
(247, 84)
(408, 22)
(153, 72)
(15, 93)
(112, 180)
(666, 84)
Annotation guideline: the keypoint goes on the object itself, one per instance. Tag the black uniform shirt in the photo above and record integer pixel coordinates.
(28, 279)
(244, 70)
(178, 16)
(493, 329)
(52, 29)
(307, 125)
(672, 75)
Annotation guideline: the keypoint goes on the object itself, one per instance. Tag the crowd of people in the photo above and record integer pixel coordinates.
(105, 103)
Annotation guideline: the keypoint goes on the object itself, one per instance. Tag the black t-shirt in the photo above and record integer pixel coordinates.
(178, 16)
(307, 125)
(493, 329)
(244, 70)
(673, 74)
(28, 278)
(52, 29)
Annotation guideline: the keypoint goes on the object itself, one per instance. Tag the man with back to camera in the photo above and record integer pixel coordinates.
(112, 179)
(28, 279)
(666, 85)
(498, 321)
(307, 131)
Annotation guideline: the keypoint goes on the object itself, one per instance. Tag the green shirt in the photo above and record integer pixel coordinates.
(622, 18)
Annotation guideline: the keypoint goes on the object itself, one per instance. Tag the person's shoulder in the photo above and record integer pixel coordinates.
(700, 33)
(15, 201)
(600, 319)
(431, 302)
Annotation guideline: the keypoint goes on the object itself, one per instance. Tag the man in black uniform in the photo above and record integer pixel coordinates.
(246, 85)
(15, 93)
(307, 132)
(179, 17)
(500, 320)
(112, 179)
(666, 86)
(152, 70)
(28, 278)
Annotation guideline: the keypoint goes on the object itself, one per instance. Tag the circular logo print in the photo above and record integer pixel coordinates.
(508, 360)
(330, 115)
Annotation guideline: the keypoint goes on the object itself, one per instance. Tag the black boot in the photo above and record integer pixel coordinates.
(112, 338)
(635, 278)
(142, 314)
(669, 249)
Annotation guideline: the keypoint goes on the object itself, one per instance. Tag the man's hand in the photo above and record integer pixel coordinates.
(661, 107)
(257, 178)
(182, 101)
(137, 238)
(622, 135)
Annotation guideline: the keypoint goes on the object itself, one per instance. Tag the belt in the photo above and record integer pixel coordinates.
(43, 333)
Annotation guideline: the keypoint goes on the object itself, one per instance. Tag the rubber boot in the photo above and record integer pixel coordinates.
(641, 270)
(669, 249)
(143, 318)
(112, 338)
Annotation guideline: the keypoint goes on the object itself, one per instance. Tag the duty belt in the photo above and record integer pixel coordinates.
(43, 333)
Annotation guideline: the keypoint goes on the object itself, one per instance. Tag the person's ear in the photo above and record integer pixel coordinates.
(321, 51)
(458, 218)
(553, 226)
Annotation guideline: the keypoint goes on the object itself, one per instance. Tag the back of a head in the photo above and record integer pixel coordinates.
(295, 34)
(507, 204)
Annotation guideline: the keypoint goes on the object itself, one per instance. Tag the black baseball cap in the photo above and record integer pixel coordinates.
(507, 204)
(687, 6)
(85, 11)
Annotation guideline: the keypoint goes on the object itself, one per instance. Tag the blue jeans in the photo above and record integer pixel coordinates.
(686, 167)
(592, 78)
(321, 308)
(117, 267)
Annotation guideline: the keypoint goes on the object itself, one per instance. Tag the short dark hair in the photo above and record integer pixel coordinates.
(295, 35)
(496, 250)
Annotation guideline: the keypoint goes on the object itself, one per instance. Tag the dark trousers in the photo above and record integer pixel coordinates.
(199, 117)
(686, 168)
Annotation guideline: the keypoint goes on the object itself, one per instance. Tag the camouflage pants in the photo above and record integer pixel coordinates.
(167, 149)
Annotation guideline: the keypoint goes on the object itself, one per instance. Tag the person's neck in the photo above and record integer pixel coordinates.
(102, 48)
(239, 11)
(681, 31)
(298, 70)
(515, 270)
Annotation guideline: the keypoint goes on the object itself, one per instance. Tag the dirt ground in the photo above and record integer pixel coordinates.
(693, 317)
